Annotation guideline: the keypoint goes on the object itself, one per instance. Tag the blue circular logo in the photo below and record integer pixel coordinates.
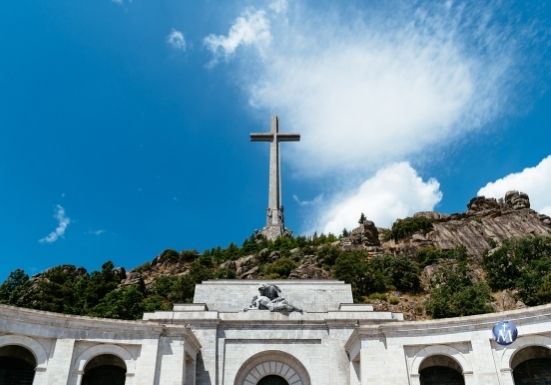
(505, 332)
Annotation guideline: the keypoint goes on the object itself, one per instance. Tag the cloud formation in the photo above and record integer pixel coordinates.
(535, 181)
(251, 28)
(370, 88)
(393, 192)
(176, 40)
(279, 6)
(368, 91)
(63, 222)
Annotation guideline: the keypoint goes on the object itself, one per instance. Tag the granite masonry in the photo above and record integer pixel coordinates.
(328, 340)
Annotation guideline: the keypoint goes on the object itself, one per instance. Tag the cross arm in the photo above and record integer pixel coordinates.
(261, 137)
(288, 137)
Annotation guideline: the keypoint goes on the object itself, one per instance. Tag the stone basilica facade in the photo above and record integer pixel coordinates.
(304, 333)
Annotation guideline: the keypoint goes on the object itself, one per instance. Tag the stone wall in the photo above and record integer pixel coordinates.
(350, 345)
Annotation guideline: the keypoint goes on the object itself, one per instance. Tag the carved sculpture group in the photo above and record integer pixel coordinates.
(270, 299)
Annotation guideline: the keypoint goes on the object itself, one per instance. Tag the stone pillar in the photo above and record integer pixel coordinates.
(379, 364)
(507, 377)
(484, 367)
(146, 364)
(207, 359)
(340, 369)
(59, 365)
(170, 362)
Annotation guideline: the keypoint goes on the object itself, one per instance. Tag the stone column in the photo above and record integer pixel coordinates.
(507, 377)
(170, 362)
(146, 364)
(207, 359)
(59, 365)
(379, 364)
(484, 367)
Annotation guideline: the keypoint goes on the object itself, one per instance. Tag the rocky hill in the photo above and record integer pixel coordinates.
(494, 256)
(485, 225)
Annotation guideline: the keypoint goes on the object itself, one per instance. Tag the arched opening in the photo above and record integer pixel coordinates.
(106, 369)
(441, 370)
(273, 380)
(272, 367)
(17, 365)
(532, 366)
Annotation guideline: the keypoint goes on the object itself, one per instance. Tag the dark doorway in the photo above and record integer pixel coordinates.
(105, 370)
(441, 375)
(532, 366)
(17, 366)
(441, 370)
(273, 380)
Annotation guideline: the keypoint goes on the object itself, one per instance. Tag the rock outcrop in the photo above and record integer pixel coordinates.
(485, 225)
(365, 234)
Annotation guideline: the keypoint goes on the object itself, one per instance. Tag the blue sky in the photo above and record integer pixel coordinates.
(124, 124)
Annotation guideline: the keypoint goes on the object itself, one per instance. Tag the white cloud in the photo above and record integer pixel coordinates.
(252, 28)
(318, 199)
(393, 192)
(370, 91)
(535, 181)
(97, 232)
(369, 88)
(176, 40)
(63, 222)
(279, 6)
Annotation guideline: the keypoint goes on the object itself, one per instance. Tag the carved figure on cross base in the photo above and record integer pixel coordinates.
(269, 299)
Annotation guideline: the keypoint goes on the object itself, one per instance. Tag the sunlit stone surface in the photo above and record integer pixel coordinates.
(215, 342)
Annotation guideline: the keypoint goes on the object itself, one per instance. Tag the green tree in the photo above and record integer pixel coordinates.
(281, 268)
(453, 292)
(100, 283)
(121, 303)
(15, 289)
(59, 290)
(520, 263)
(400, 272)
(403, 228)
(353, 268)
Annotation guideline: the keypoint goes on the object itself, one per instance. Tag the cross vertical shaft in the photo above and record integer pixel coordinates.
(275, 226)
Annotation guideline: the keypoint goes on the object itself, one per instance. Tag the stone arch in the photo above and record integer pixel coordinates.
(531, 364)
(30, 344)
(272, 362)
(520, 344)
(105, 368)
(106, 349)
(463, 364)
(441, 350)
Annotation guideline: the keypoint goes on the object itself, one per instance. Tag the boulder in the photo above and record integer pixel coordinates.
(309, 269)
(481, 204)
(515, 200)
(366, 234)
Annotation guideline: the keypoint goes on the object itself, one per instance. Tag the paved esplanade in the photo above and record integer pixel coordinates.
(275, 226)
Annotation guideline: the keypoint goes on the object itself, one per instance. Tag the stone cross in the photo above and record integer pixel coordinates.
(274, 218)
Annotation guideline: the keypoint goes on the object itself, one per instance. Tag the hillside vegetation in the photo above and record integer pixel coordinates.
(405, 268)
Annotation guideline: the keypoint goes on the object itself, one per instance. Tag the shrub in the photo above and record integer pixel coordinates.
(522, 264)
(398, 272)
(454, 293)
(281, 268)
(393, 300)
(377, 296)
(403, 228)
